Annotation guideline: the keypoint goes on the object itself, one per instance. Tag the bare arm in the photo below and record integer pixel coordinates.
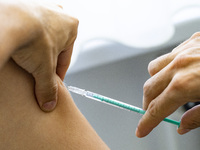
(24, 126)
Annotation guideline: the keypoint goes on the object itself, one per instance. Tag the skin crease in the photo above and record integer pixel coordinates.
(175, 80)
(23, 125)
(39, 38)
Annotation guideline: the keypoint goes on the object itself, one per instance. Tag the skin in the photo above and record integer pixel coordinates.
(39, 38)
(23, 125)
(175, 80)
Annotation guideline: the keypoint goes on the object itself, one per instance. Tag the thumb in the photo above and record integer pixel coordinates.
(46, 89)
(190, 120)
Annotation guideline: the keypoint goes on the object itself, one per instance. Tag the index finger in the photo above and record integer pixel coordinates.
(159, 108)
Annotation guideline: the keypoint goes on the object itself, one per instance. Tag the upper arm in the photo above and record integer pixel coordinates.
(24, 126)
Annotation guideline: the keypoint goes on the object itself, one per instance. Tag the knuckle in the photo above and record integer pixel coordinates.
(175, 49)
(196, 35)
(74, 22)
(159, 63)
(152, 110)
(181, 60)
(177, 82)
(146, 88)
(182, 82)
(151, 68)
(186, 85)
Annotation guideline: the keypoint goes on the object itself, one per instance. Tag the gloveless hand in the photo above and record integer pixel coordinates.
(175, 80)
(40, 39)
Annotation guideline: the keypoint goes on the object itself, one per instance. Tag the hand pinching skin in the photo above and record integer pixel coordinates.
(40, 39)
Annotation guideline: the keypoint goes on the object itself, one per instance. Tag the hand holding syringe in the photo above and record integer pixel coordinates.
(113, 102)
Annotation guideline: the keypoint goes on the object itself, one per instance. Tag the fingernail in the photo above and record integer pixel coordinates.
(137, 133)
(49, 106)
(183, 131)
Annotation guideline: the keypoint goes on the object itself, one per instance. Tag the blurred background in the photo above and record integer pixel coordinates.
(116, 41)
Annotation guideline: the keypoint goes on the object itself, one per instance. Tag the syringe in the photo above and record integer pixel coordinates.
(113, 102)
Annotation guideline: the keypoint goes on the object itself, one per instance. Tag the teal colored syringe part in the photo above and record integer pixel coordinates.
(113, 102)
(132, 108)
